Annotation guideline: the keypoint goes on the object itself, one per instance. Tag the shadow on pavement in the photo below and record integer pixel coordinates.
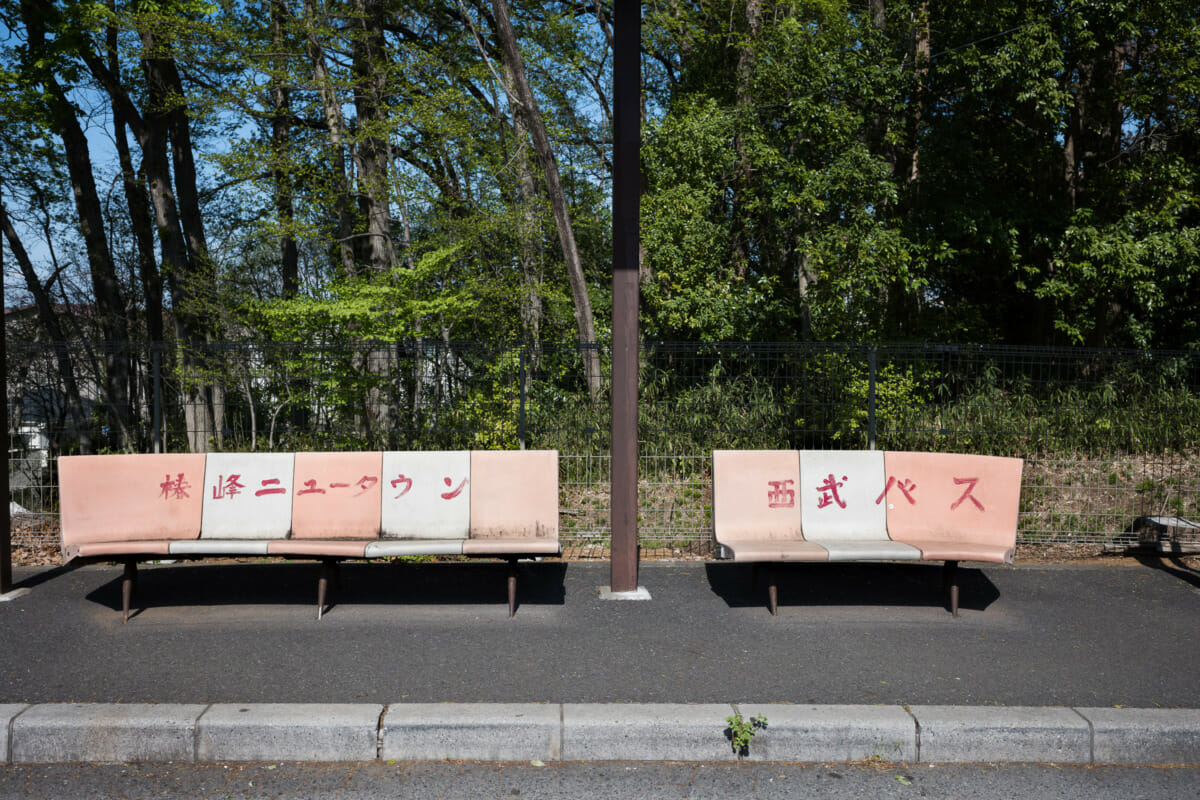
(1175, 567)
(367, 583)
(43, 575)
(826, 584)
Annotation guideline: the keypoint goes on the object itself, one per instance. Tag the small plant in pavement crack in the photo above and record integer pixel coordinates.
(741, 732)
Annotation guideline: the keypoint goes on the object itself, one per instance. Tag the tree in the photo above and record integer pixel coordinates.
(50, 38)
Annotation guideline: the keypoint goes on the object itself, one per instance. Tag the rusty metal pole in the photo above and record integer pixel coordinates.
(6, 520)
(627, 121)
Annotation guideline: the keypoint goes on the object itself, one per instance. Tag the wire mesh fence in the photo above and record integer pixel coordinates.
(1109, 438)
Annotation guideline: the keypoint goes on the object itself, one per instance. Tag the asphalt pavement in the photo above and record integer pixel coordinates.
(1071, 664)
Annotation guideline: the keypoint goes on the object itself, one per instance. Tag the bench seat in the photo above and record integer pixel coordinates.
(324, 506)
(496, 546)
(776, 550)
(319, 548)
(870, 551)
(963, 551)
(143, 547)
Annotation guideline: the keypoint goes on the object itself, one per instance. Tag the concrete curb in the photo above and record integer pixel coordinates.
(104, 732)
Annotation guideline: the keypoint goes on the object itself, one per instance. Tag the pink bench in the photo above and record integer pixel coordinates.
(789, 505)
(325, 506)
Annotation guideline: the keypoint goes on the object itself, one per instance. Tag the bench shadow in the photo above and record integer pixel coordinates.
(1172, 565)
(48, 574)
(482, 583)
(856, 584)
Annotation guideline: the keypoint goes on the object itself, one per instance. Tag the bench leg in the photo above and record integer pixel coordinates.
(329, 572)
(756, 579)
(950, 583)
(128, 581)
(773, 590)
(512, 587)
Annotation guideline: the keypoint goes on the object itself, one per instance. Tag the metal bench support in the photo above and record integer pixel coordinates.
(329, 573)
(128, 584)
(950, 583)
(512, 587)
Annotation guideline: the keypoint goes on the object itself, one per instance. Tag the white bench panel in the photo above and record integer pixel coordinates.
(426, 495)
(247, 496)
(414, 547)
(870, 551)
(218, 547)
(838, 489)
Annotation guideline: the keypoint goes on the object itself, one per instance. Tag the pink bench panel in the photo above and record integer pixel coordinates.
(337, 495)
(756, 496)
(514, 494)
(130, 497)
(952, 499)
(777, 550)
(963, 551)
(146, 547)
(502, 547)
(340, 548)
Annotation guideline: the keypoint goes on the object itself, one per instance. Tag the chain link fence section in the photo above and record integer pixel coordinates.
(1110, 438)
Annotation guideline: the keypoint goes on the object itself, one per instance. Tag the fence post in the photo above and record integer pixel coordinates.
(874, 368)
(521, 417)
(156, 391)
(6, 520)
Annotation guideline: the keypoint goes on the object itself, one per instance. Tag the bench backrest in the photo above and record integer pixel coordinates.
(514, 494)
(838, 492)
(427, 495)
(130, 497)
(360, 495)
(952, 497)
(756, 495)
(865, 495)
(337, 495)
(247, 495)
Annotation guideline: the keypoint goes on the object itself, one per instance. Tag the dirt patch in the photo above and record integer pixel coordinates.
(35, 544)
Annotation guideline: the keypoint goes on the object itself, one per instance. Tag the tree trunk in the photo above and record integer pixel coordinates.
(110, 306)
(141, 219)
(743, 182)
(165, 137)
(921, 53)
(372, 150)
(289, 254)
(335, 124)
(584, 321)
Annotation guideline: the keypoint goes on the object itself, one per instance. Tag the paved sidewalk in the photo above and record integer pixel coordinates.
(1064, 664)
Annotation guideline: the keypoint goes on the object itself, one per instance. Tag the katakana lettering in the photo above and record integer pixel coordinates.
(456, 491)
(274, 483)
(970, 482)
(402, 480)
(906, 488)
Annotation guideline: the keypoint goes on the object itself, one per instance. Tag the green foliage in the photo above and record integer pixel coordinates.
(386, 307)
(900, 395)
(740, 732)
